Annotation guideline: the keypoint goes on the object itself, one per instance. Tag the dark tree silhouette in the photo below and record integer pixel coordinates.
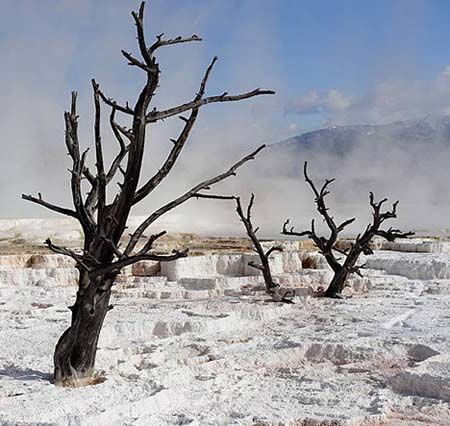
(272, 288)
(327, 246)
(103, 223)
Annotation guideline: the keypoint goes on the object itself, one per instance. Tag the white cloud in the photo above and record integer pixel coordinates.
(319, 102)
(336, 101)
(388, 101)
(308, 103)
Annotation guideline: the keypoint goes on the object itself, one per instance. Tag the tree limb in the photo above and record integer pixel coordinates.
(160, 42)
(159, 115)
(115, 165)
(146, 189)
(53, 207)
(129, 260)
(101, 178)
(67, 252)
(186, 196)
(85, 218)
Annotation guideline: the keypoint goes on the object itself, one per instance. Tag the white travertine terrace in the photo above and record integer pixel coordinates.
(197, 341)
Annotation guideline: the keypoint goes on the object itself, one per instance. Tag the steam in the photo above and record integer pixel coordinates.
(42, 65)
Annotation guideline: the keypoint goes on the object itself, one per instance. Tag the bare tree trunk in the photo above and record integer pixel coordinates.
(272, 288)
(75, 352)
(104, 223)
(337, 284)
(341, 273)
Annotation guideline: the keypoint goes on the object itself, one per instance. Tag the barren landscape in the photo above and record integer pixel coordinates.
(198, 341)
(257, 240)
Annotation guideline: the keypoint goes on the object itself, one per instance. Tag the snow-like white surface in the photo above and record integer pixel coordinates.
(430, 379)
(422, 266)
(37, 230)
(38, 277)
(203, 266)
(416, 245)
(211, 349)
(230, 265)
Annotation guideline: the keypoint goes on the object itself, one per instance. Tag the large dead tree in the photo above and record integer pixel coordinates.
(272, 288)
(327, 246)
(103, 223)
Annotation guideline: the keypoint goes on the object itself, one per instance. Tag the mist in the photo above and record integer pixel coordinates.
(44, 60)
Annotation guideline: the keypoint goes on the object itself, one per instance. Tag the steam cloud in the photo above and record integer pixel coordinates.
(42, 64)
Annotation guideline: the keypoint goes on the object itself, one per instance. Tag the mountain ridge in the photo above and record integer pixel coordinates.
(342, 139)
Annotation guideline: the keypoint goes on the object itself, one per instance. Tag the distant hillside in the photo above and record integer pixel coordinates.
(363, 144)
(342, 139)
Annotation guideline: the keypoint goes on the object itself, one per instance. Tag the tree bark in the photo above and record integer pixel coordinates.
(342, 272)
(337, 283)
(75, 352)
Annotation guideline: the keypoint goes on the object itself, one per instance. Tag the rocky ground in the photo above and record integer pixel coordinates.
(197, 342)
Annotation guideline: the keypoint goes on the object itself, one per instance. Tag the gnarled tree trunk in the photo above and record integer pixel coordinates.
(337, 284)
(75, 352)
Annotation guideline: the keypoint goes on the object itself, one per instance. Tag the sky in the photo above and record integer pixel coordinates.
(330, 62)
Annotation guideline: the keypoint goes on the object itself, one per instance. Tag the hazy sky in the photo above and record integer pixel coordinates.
(331, 62)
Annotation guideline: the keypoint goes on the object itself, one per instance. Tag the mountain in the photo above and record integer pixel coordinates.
(341, 140)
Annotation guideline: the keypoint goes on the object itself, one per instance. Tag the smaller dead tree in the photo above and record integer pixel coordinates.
(272, 288)
(327, 246)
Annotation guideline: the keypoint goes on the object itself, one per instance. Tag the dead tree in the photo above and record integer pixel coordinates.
(104, 223)
(327, 246)
(272, 288)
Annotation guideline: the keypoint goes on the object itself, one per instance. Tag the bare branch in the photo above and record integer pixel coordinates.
(291, 232)
(393, 234)
(67, 252)
(178, 144)
(272, 249)
(160, 42)
(215, 197)
(113, 246)
(55, 208)
(256, 266)
(249, 208)
(111, 102)
(343, 252)
(83, 215)
(341, 227)
(186, 196)
(149, 244)
(356, 269)
(118, 265)
(139, 21)
(159, 115)
(115, 165)
(133, 61)
(320, 200)
(101, 178)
